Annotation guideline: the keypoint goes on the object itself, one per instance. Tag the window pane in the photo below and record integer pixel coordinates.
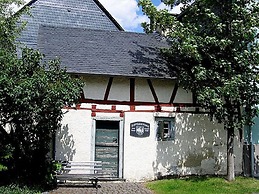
(165, 129)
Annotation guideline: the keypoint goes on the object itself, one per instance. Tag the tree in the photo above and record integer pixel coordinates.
(215, 50)
(32, 95)
(9, 30)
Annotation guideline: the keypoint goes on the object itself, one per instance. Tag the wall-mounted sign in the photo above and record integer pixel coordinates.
(140, 129)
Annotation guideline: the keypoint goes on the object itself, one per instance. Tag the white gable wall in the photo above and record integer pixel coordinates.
(143, 93)
(73, 138)
(183, 96)
(95, 88)
(120, 89)
(199, 146)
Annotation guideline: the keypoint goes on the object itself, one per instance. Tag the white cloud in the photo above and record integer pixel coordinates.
(175, 10)
(128, 15)
(126, 12)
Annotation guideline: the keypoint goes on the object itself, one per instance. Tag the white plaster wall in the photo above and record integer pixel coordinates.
(199, 148)
(120, 89)
(73, 140)
(164, 89)
(95, 87)
(183, 96)
(142, 91)
(139, 153)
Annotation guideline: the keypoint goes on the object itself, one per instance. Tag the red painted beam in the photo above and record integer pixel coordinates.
(136, 103)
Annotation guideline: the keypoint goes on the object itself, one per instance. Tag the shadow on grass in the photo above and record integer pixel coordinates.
(192, 178)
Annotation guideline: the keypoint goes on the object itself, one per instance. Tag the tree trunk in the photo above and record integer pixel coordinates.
(4, 136)
(230, 155)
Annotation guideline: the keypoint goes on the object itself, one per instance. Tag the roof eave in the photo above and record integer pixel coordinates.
(117, 75)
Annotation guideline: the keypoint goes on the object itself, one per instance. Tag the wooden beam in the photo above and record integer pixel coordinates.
(157, 108)
(82, 94)
(194, 101)
(132, 90)
(108, 88)
(176, 86)
(153, 91)
(194, 98)
(138, 103)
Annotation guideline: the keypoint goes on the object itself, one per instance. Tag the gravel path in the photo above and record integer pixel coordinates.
(104, 188)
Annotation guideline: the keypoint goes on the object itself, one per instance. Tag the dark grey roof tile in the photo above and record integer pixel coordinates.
(103, 52)
(65, 13)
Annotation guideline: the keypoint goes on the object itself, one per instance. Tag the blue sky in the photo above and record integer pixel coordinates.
(156, 2)
(139, 28)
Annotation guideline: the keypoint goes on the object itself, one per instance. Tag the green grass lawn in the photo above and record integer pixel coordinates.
(205, 185)
(15, 189)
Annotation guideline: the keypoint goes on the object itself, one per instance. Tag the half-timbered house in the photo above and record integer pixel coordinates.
(132, 115)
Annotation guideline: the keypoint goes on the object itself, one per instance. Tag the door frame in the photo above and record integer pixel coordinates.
(121, 140)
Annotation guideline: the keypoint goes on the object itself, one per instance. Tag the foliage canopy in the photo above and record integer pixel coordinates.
(32, 95)
(214, 47)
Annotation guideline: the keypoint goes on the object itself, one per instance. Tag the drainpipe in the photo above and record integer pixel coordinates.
(252, 151)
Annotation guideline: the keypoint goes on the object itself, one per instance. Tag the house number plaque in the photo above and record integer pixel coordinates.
(140, 129)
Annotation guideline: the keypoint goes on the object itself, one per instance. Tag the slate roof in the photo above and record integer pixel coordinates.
(66, 13)
(118, 53)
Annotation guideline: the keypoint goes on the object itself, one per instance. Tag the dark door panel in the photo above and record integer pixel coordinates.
(107, 146)
(109, 158)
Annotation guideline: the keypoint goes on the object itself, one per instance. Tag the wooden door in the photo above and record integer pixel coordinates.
(107, 146)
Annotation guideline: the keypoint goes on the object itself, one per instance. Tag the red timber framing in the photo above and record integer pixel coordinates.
(132, 103)
(133, 108)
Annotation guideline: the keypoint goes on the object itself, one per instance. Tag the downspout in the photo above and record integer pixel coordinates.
(252, 151)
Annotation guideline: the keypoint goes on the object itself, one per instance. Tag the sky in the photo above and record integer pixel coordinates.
(128, 14)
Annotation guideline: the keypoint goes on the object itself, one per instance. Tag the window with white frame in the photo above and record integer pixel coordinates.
(165, 128)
